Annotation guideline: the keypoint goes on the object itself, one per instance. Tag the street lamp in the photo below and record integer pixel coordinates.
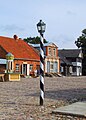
(41, 26)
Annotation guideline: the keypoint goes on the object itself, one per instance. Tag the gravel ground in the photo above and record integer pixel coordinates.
(20, 100)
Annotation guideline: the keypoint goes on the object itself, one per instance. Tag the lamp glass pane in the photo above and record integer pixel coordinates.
(43, 28)
(39, 28)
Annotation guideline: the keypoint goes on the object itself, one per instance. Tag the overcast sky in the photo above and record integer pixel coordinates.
(65, 19)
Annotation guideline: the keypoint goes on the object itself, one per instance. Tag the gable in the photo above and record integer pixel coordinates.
(50, 45)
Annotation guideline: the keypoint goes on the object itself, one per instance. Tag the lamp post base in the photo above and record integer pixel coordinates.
(41, 101)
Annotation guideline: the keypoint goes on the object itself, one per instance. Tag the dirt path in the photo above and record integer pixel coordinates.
(20, 100)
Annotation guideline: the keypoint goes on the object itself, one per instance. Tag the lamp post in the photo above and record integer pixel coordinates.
(41, 29)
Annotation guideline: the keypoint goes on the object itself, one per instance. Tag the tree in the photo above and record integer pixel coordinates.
(34, 40)
(81, 43)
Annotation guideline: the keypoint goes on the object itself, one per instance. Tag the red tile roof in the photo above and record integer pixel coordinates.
(18, 48)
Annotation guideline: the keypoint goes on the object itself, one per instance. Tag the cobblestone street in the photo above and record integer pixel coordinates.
(20, 100)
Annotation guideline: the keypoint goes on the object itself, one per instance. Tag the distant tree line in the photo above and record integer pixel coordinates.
(34, 40)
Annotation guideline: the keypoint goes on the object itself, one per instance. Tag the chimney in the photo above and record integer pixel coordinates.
(15, 37)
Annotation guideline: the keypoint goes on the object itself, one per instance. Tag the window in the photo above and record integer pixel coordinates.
(54, 52)
(17, 67)
(31, 67)
(49, 51)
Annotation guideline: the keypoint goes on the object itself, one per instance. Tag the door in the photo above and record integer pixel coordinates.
(48, 66)
(25, 69)
(55, 67)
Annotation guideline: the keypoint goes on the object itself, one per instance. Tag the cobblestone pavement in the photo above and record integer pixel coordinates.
(20, 100)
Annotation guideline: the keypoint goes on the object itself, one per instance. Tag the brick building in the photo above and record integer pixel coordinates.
(52, 61)
(26, 59)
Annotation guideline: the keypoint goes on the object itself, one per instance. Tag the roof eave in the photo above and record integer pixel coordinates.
(26, 59)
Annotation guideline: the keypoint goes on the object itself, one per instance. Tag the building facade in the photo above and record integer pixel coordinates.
(26, 59)
(52, 61)
(71, 61)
